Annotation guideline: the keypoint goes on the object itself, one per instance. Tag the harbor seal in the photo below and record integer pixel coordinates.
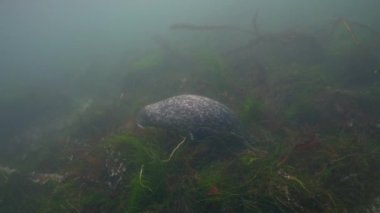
(190, 114)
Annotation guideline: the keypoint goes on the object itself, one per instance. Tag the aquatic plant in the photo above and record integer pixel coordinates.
(251, 109)
(148, 61)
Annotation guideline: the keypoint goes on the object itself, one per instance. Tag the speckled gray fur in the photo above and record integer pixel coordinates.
(189, 113)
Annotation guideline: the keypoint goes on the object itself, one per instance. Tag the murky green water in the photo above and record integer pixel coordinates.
(302, 77)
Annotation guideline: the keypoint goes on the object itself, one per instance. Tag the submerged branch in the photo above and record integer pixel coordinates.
(254, 23)
(193, 27)
(348, 26)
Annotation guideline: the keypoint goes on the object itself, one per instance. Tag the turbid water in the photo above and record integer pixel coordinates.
(300, 77)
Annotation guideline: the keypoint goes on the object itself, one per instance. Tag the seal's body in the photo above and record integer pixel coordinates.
(192, 114)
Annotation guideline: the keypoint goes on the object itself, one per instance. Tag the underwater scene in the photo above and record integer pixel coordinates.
(189, 106)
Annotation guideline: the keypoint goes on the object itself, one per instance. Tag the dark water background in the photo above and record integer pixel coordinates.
(75, 73)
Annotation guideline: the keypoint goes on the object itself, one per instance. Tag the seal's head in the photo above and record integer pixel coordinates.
(156, 115)
(146, 117)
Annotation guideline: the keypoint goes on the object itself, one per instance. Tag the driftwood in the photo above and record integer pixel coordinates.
(193, 27)
(286, 36)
